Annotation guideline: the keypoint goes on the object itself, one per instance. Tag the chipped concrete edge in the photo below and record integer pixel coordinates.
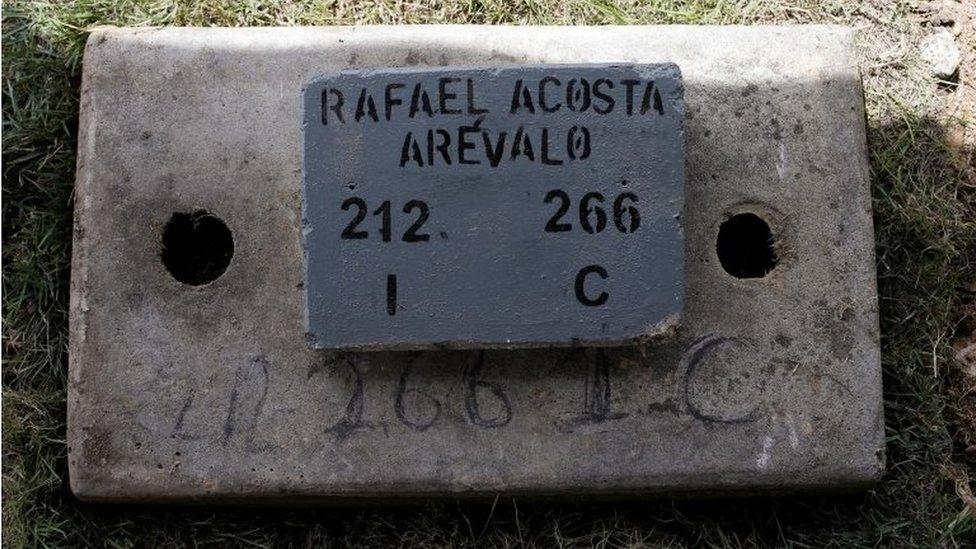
(850, 37)
(81, 480)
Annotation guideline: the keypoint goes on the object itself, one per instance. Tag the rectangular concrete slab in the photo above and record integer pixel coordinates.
(493, 206)
(184, 392)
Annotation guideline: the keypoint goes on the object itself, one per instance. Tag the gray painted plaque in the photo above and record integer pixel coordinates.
(493, 206)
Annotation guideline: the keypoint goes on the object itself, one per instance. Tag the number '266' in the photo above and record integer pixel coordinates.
(592, 216)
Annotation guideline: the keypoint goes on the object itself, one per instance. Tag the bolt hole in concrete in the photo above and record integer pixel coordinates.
(745, 246)
(197, 247)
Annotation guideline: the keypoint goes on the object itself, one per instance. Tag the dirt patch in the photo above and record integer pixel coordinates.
(959, 119)
(959, 19)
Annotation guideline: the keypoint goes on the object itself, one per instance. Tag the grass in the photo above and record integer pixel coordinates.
(925, 214)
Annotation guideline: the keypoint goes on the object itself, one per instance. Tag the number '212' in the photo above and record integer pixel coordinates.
(386, 220)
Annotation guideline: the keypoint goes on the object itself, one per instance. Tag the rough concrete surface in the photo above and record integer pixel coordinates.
(181, 392)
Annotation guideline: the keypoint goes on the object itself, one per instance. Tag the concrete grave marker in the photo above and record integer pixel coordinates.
(191, 374)
(493, 206)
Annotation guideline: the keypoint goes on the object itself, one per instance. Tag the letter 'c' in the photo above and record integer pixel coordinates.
(581, 291)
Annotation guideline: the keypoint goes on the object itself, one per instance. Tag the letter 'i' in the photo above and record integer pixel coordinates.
(391, 294)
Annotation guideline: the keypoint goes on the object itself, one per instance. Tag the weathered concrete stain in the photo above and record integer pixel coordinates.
(210, 392)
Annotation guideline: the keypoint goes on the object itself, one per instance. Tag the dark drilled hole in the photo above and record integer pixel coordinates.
(197, 247)
(745, 246)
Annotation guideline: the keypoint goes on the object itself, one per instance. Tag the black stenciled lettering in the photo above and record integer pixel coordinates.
(554, 226)
(542, 94)
(471, 108)
(473, 382)
(464, 144)
(350, 232)
(629, 85)
(386, 220)
(619, 211)
(585, 209)
(545, 150)
(580, 286)
(608, 100)
(365, 106)
(420, 101)
(466, 148)
(443, 146)
(335, 107)
(494, 151)
(592, 216)
(391, 294)
(578, 95)
(411, 151)
(390, 101)
(578, 143)
(411, 235)
(521, 98)
(385, 228)
(522, 145)
(650, 91)
(444, 96)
